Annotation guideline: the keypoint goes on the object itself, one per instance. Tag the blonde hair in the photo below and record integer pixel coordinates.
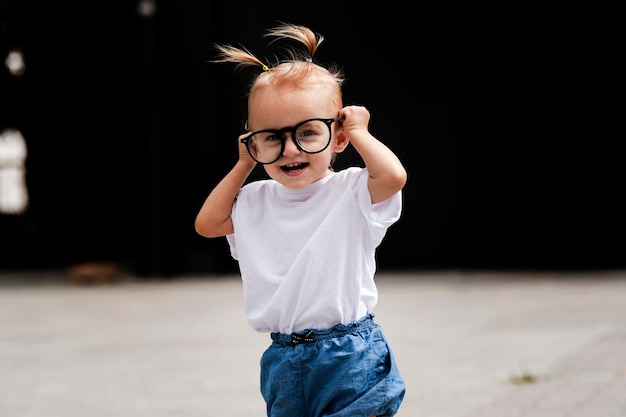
(297, 69)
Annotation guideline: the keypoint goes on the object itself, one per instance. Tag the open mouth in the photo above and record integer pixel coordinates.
(294, 167)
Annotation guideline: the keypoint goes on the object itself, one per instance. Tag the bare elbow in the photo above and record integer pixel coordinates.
(384, 187)
(207, 229)
(201, 229)
(397, 178)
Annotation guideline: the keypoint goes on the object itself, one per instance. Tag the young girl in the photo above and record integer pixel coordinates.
(305, 239)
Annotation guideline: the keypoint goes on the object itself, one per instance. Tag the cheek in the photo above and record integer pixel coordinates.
(271, 169)
(324, 159)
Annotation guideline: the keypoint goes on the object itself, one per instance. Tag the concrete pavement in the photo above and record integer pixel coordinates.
(470, 344)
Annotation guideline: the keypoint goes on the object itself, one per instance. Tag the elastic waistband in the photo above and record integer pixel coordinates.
(315, 335)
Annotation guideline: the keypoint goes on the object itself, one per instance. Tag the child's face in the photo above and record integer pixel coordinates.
(278, 107)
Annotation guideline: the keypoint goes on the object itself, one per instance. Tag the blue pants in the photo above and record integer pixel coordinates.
(346, 371)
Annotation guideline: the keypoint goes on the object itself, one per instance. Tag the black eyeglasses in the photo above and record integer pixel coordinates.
(310, 136)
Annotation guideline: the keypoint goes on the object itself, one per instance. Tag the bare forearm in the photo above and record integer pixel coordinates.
(213, 219)
(387, 174)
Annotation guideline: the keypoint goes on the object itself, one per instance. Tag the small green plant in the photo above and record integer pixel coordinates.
(524, 378)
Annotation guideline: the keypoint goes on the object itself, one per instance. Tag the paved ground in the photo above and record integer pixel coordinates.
(469, 345)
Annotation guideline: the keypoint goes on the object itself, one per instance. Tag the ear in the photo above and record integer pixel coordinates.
(342, 142)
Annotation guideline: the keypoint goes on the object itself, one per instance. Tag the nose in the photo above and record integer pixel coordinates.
(290, 145)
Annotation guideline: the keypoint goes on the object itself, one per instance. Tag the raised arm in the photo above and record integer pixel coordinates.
(387, 175)
(213, 219)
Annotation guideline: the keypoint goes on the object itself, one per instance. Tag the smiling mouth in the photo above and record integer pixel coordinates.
(294, 167)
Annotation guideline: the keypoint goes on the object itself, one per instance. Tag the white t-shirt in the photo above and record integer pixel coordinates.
(307, 256)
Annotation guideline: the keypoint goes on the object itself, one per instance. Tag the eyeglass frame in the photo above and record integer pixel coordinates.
(292, 129)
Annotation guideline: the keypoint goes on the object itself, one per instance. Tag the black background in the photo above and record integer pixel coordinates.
(500, 115)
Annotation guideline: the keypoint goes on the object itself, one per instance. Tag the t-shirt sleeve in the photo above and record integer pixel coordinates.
(233, 247)
(381, 215)
(231, 237)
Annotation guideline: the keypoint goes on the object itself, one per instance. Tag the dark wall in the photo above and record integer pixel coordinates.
(129, 127)
(79, 106)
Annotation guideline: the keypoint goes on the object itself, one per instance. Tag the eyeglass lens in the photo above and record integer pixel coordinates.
(312, 137)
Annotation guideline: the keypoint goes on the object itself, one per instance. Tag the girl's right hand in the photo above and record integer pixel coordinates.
(244, 156)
